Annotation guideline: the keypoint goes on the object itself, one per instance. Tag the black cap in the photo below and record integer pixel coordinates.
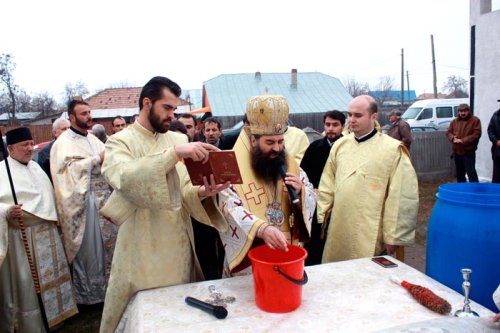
(19, 134)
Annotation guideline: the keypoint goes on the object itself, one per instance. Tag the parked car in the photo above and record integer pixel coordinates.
(312, 134)
(423, 129)
(433, 112)
(37, 149)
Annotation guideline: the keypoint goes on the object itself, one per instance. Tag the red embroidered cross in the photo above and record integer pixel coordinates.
(255, 196)
(238, 203)
(247, 214)
(234, 232)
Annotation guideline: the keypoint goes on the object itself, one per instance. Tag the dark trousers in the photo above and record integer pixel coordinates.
(315, 245)
(209, 250)
(466, 164)
(496, 170)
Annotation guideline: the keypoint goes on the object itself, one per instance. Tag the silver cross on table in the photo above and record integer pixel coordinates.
(217, 299)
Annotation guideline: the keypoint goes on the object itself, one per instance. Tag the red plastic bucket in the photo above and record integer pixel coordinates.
(278, 277)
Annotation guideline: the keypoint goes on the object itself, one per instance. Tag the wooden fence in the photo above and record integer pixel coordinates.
(431, 155)
(40, 133)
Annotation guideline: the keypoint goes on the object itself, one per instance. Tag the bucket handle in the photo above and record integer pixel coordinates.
(291, 279)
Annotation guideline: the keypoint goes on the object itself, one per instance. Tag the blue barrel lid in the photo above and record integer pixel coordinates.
(482, 194)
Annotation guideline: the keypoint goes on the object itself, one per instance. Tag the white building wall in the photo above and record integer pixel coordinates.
(487, 76)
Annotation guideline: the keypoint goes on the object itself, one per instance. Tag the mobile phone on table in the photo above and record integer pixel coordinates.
(384, 262)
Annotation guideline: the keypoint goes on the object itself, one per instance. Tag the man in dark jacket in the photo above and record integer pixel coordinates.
(399, 130)
(494, 135)
(313, 162)
(464, 132)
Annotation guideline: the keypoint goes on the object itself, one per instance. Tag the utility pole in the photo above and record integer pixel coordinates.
(408, 85)
(402, 77)
(434, 68)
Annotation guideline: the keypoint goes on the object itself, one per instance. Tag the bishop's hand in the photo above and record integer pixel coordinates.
(274, 238)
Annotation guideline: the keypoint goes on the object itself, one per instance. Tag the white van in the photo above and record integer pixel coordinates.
(436, 113)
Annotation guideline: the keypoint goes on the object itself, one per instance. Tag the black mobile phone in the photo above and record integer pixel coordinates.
(384, 262)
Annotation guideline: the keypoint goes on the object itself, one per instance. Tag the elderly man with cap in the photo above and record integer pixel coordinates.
(400, 129)
(259, 210)
(464, 133)
(19, 308)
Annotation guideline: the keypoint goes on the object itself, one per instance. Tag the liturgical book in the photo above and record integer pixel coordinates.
(222, 164)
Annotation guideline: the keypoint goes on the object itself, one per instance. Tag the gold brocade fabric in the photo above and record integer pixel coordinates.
(296, 143)
(372, 190)
(76, 170)
(152, 200)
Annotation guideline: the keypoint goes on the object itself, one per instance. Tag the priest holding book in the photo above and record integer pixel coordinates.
(152, 200)
(259, 210)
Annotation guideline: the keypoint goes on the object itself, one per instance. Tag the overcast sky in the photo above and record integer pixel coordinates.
(108, 42)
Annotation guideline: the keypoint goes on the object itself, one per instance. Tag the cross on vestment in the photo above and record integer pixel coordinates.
(234, 231)
(254, 193)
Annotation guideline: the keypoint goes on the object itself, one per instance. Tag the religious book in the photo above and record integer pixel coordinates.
(222, 164)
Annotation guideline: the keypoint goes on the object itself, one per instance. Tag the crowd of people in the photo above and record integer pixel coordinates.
(99, 217)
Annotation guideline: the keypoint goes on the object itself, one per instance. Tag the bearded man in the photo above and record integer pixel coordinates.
(80, 189)
(152, 200)
(313, 164)
(259, 210)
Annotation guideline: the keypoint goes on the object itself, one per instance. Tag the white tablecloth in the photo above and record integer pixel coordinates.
(349, 296)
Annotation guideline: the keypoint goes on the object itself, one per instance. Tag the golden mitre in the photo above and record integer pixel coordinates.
(267, 115)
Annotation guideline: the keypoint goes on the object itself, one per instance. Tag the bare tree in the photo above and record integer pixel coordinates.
(356, 88)
(77, 89)
(23, 101)
(44, 103)
(456, 86)
(7, 67)
(384, 86)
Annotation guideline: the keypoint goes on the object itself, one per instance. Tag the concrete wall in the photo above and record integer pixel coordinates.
(487, 76)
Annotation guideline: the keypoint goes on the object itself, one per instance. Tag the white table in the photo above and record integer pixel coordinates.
(349, 296)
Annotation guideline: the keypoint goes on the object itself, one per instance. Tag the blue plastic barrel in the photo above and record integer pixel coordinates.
(464, 232)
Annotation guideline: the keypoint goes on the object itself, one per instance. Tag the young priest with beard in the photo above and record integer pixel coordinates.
(259, 210)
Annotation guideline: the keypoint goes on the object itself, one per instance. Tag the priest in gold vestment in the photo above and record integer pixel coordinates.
(259, 210)
(152, 200)
(89, 239)
(371, 189)
(19, 307)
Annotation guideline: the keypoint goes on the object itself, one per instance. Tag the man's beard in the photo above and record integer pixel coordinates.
(156, 123)
(266, 167)
(82, 124)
